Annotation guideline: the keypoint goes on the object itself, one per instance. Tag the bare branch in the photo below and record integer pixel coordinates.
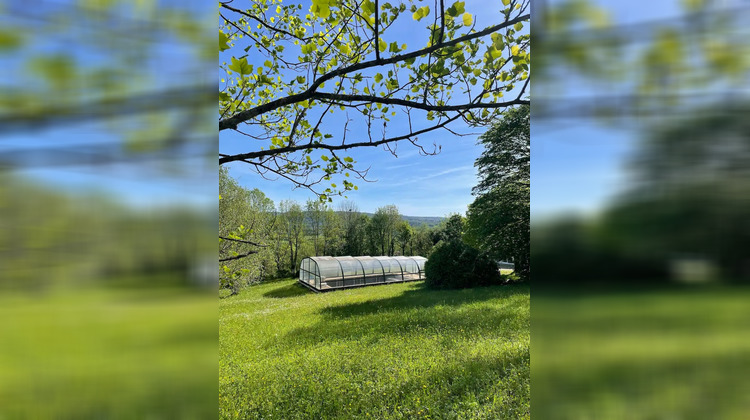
(242, 240)
(237, 257)
(224, 158)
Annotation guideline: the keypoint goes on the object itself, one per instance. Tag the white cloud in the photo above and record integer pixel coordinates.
(466, 169)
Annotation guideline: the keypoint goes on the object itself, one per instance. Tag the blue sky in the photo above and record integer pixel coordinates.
(419, 185)
(578, 168)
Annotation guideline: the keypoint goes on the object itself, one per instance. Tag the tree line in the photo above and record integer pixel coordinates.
(278, 236)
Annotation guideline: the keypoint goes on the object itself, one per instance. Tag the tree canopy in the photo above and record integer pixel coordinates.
(305, 85)
(498, 221)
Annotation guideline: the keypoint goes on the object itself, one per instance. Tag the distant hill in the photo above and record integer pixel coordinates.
(416, 221)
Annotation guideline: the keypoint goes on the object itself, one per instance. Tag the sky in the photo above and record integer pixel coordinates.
(435, 185)
(577, 168)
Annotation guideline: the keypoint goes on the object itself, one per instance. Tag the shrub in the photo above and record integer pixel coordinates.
(455, 265)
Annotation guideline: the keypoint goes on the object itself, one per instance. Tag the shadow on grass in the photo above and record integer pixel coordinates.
(422, 297)
(421, 311)
(290, 290)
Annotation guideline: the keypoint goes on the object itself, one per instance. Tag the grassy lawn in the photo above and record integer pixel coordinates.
(384, 352)
(125, 354)
(669, 354)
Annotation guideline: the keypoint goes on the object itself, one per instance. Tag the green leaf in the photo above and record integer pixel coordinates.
(467, 19)
(497, 41)
(348, 159)
(320, 9)
(421, 12)
(518, 26)
(378, 78)
(368, 8)
(506, 2)
(325, 158)
(223, 39)
(241, 66)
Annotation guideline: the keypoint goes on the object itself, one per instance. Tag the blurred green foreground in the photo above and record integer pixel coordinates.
(107, 311)
(106, 354)
(656, 354)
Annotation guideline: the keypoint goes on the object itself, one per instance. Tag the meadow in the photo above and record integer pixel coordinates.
(675, 353)
(396, 351)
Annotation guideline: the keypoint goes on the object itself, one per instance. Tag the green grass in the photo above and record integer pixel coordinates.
(386, 352)
(125, 354)
(667, 354)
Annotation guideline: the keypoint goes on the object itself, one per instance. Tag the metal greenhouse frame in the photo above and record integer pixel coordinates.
(328, 273)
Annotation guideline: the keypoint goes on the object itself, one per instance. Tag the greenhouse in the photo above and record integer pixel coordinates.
(327, 273)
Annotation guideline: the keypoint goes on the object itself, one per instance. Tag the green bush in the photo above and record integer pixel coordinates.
(455, 265)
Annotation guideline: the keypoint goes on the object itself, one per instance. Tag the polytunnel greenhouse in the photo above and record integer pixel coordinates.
(327, 273)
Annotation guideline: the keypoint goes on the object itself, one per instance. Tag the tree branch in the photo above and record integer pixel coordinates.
(377, 34)
(242, 240)
(242, 116)
(114, 107)
(224, 158)
(417, 105)
(237, 257)
(264, 24)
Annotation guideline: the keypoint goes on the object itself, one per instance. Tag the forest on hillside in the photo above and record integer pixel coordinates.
(278, 236)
